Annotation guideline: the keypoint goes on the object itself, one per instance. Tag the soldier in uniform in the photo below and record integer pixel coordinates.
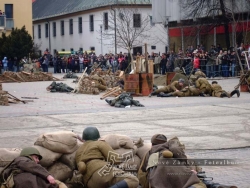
(94, 160)
(218, 92)
(203, 85)
(70, 74)
(174, 86)
(24, 171)
(59, 87)
(199, 74)
(188, 91)
(123, 100)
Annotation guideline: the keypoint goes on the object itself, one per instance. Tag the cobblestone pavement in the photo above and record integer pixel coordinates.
(208, 126)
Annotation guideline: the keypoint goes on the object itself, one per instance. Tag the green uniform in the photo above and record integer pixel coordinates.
(96, 155)
(203, 85)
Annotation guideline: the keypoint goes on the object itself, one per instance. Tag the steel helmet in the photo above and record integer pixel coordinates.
(90, 133)
(26, 152)
(126, 102)
(181, 80)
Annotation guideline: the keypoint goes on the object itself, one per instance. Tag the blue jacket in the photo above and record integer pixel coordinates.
(5, 62)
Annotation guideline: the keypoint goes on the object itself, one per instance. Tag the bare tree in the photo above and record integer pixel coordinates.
(212, 13)
(132, 27)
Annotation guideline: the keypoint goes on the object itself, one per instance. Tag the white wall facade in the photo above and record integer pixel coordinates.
(87, 38)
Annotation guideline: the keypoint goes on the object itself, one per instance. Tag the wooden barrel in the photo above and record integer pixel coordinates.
(146, 83)
(244, 88)
(169, 77)
(131, 83)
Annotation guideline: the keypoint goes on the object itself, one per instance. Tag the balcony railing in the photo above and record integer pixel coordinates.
(9, 23)
(2, 21)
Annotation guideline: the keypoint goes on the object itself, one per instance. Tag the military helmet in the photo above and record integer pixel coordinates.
(193, 77)
(90, 133)
(26, 152)
(177, 69)
(158, 139)
(181, 80)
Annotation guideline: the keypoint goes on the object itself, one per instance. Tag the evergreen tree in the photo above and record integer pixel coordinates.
(18, 44)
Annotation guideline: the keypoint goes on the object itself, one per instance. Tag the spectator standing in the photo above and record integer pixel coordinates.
(224, 64)
(163, 64)
(81, 59)
(233, 63)
(5, 64)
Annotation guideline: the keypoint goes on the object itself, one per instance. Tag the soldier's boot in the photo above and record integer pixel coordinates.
(202, 94)
(108, 101)
(211, 184)
(120, 184)
(236, 91)
(164, 95)
(153, 93)
(223, 95)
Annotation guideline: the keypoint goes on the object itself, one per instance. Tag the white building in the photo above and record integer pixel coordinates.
(79, 25)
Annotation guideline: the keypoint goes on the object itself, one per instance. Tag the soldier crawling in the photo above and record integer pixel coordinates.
(123, 100)
(173, 87)
(59, 87)
(218, 92)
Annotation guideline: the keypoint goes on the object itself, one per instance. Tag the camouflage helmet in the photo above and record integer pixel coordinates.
(177, 69)
(26, 152)
(181, 80)
(90, 133)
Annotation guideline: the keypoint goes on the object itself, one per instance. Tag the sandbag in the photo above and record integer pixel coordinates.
(122, 151)
(61, 142)
(69, 160)
(49, 157)
(117, 141)
(141, 151)
(131, 165)
(60, 171)
(75, 181)
(8, 154)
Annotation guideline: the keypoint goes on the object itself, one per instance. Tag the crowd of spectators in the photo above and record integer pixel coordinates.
(214, 62)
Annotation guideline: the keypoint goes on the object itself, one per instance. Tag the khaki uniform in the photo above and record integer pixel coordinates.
(187, 92)
(217, 90)
(169, 88)
(96, 155)
(203, 85)
(200, 74)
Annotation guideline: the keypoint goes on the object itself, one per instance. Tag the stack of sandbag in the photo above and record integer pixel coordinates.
(7, 155)
(125, 150)
(58, 150)
(4, 100)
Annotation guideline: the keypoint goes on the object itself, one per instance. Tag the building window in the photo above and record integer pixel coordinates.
(62, 27)
(137, 20)
(80, 24)
(91, 22)
(71, 26)
(63, 49)
(39, 31)
(9, 10)
(92, 48)
(72, 50)
(54, 29)
(153, 47)
(46, 30)
(81, 49)
(106, 21)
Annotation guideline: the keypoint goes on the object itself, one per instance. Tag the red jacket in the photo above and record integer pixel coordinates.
(196, 63)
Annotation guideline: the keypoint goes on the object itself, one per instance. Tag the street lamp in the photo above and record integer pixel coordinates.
(101, 39)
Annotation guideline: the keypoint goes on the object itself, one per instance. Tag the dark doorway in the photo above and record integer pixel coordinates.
(137, 50)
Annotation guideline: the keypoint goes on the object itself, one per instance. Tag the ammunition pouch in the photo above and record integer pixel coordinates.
(9, 183)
